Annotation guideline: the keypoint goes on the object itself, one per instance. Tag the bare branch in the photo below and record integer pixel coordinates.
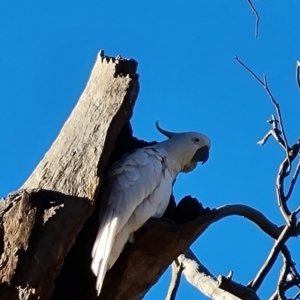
(265, 138)
(297, 296)
(280, 137)
(200, 277)
(295, 272)
(278, 233)
(265, 86)
(287, 262)
(265, 269)
(290, 278)
(249, 70)
(275, 132)
(177, 269)
(293, 181)
(255, 13)
(251, 214)
(236, 289)
(297, 210)
(283, 172)
(262, 222)
(298, 73)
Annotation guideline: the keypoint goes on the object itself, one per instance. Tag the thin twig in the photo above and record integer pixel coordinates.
(280, 136)
(278, 233)
(297, 210)
(255, 13)
(293, 181)
(287, 278)
(292, 282)
(249, 70)
(283, 172)
(296, 296)
(177, 269)
(265, 86)
(298, 73)
(287, 262)
(265, 269)
(275, 132)
(295, 272)
(277, 109)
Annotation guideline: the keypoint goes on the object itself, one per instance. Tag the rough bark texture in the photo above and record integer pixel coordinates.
(48, 228)
(214, 288)
(156, 245)
(71, 166)
(38, 227)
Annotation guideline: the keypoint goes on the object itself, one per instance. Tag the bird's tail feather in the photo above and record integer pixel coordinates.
(102, 249)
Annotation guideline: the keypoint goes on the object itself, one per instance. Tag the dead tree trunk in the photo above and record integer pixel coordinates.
(39, 224)
(55, 207)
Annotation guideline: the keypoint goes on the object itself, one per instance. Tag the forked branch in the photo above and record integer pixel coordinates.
(278, 132)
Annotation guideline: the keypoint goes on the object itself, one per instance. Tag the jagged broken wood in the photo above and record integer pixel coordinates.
(39, 224)
(156, 245)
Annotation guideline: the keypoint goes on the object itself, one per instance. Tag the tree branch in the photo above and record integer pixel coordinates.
(275, 132)
(39, 226)
(280, 234)
(286, 266)
(251, 214)
(265, 269)
(177, 269)
(265, 86)
(285, 167)
(298, 73)
(255, 13)
(200, 277)
(294, 179)
(143, 262)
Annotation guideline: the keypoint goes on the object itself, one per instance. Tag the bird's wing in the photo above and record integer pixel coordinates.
(130, 180)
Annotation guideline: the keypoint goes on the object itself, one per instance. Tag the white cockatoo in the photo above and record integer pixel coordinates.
(139, 186)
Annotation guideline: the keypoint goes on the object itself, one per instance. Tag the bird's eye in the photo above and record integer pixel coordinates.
(196, 140)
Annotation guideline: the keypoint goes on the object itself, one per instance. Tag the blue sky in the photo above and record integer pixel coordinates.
(189, 81)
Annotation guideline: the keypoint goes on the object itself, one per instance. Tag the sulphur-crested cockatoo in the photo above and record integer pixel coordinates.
(139, 186)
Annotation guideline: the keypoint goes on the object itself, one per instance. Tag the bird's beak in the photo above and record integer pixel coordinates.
(201, 155)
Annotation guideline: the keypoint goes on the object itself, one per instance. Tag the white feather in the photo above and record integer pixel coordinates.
(128, 202)
(138, 187)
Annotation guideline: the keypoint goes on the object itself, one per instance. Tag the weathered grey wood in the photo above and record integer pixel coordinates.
(214, 288)
(39, 224)
(71, 164)
(234, 288)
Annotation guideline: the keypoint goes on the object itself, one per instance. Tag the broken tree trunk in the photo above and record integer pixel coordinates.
(39, 223)
(47, 228)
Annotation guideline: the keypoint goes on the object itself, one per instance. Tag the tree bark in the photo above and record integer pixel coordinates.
(39, 224)
(214, 288)
(48, 227)
(156, 245)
